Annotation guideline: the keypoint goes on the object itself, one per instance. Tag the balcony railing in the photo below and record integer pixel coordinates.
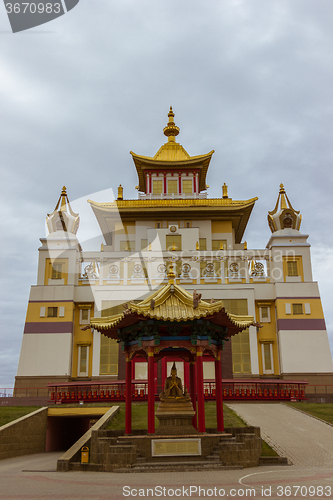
(245, 390)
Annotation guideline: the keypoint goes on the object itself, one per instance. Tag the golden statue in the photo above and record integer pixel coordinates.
(175, 411)
(172, 386)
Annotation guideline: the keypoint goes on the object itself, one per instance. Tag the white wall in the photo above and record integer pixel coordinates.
(45, 354)
(305, 352)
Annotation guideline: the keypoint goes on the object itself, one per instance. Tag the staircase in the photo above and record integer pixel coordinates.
(235, 449)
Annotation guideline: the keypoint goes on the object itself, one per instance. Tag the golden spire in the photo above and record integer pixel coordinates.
(224, 191)
(171, 275)
(171, 130)
(63, 197)
(283, 202)
(120, 192)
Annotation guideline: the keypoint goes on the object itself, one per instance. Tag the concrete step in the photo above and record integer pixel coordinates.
(77, 466)
(175, 467)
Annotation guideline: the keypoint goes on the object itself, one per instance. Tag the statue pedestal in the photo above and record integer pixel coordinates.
(175, 417)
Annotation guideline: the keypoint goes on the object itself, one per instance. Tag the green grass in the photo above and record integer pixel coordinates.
(10, 413)
(267, 451)
(140, 417)
(319, 410)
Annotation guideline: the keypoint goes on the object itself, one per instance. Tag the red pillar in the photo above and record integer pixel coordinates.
(151, 392)
(200, 391)
(218, 390)
(193, 393)
(128, 399)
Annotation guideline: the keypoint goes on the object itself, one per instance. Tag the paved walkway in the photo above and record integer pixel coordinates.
(307, 442)
(264, 482)
(301, 438)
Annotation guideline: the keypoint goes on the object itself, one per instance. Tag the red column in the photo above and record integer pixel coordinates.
(180, 183)
(165, 183)
(128, 399)
(193, 393)
(151, 392)
(218, 390)
(200, 391)
(194, 183)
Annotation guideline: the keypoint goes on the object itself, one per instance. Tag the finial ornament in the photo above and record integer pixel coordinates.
(224, 191)
(120, 192)
(171, 275)
(63, 218)
(284, 216)
(171, 130)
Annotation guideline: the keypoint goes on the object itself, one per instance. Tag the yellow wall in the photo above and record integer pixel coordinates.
(33, 312)
(315, 307)
(221, 226)
(81, 336)
(267, 333)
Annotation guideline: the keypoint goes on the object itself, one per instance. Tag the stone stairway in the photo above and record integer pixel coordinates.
(234, 449)
(176, 466)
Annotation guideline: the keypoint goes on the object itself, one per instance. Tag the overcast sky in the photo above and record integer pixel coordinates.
(251, 79)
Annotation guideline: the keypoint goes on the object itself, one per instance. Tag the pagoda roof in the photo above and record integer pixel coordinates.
(171, 303)
(172, 156)
(237, 211)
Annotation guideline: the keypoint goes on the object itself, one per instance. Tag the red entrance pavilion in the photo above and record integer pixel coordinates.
(171, 322)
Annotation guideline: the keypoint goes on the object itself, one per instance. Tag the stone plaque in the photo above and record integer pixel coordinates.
(175, 447)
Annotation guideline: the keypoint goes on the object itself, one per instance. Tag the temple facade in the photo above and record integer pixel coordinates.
(174, 223)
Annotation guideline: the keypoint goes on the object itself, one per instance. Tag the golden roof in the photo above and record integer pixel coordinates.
(171, 303)
(284, 215)
(237, 211)
(171, 156)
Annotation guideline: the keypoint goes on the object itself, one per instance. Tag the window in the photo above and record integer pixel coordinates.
(297, 308)
(173, 242)
(157, 187)
(127, 246)
(56, 271)
(240, 343)
(292, 268)
(187, 186)
(109, 356)
(241, 359)
(83, 360)
(202, 244)
(159, 225)
(267, 358)
(172, 187)
(52, 312)
(188, 223)
(219, 245)
(84, 315)
(264, 313)
(140, 370)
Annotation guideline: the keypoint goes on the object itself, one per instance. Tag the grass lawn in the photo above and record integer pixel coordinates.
(140, 417)
(10, 413)
(320, 410)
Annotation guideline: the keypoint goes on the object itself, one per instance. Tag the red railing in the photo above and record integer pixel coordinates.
(246, 390)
